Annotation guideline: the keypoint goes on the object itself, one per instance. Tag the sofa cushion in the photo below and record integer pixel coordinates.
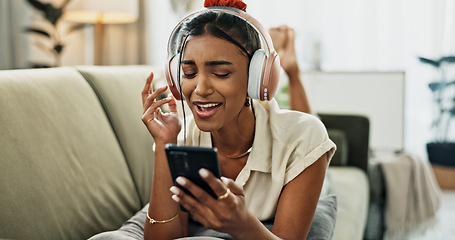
(324, 220)
(62, 172)
(119, 90)
(340, 158)
(350, 185)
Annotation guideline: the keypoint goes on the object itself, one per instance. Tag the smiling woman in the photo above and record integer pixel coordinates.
(272, 161)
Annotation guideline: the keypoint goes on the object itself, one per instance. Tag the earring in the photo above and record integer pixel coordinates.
(247, 102)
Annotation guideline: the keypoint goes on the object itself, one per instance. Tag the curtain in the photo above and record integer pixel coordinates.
(13, 41)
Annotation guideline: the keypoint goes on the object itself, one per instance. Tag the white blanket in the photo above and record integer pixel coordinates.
(412, 196)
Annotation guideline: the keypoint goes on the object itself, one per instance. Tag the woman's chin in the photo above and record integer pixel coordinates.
(205, 124)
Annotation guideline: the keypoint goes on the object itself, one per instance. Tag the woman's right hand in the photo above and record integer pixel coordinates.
(164, 127)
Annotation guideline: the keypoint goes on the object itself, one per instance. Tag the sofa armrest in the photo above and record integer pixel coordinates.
(340, 158)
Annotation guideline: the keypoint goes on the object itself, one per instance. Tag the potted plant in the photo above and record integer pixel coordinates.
(441, 151)
(51, 31)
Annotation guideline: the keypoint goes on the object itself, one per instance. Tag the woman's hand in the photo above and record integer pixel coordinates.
(227, 214)
(164, 127)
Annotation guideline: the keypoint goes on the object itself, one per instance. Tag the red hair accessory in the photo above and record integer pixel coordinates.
(226, 3)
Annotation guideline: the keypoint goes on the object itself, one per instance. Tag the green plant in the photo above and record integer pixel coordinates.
(443, 95)
(51, 31)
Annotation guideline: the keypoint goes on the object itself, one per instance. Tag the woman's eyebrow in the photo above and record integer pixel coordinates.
(190, 62)
(210, 63)
(215, 63)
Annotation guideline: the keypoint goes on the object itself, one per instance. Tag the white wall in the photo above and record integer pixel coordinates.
(357, 35)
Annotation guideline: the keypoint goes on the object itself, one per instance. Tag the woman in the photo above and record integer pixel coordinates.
(277, 158)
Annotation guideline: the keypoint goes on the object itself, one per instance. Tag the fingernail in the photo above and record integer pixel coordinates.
(203, 172)
(175, 190)
(225, 180)
(176, 198)
(181, 181)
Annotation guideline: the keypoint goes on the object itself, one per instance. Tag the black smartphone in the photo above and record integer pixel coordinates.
(186, 161)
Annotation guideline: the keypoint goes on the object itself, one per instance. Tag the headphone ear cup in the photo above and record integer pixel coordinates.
(255, 73)
(172, 76)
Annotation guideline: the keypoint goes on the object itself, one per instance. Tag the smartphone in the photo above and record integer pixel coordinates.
(186, 161)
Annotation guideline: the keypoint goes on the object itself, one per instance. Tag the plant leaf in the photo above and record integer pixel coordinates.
(53, 14)
(436, 86)
(44, 47)
(58, 12)
(76, 27)
(429, 61)
(38, 31)
(58, 48)
(38, 5)
(64, 4)
(449, 59)
(40, 65)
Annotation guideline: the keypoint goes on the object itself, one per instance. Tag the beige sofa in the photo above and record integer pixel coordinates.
(76, 160)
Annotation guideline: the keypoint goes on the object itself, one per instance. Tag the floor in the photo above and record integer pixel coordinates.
(444, 229)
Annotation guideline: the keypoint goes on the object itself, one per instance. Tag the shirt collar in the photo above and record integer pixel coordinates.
(261, 153)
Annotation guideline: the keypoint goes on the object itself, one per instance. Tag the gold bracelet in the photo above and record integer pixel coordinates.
(153, 221)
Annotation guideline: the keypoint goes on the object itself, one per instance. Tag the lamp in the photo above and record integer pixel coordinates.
(100, 12)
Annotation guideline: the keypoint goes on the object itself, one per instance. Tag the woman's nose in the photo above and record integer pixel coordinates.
(203, 86)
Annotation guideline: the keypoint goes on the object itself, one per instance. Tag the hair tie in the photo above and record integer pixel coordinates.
(226, 3)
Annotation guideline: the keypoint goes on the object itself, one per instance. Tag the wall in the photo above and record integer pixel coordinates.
(369, 35)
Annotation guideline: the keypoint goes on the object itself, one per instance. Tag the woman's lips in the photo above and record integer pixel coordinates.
(206, 110)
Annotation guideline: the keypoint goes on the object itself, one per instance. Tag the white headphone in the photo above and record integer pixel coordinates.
(264, 66)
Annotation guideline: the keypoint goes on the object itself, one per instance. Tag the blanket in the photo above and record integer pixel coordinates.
(412, 198)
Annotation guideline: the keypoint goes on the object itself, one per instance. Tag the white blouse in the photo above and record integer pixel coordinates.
(285, 143)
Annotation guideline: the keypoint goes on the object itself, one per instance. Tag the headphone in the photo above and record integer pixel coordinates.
(264, 68)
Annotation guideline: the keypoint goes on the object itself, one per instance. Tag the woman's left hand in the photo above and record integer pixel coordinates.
(227, 214)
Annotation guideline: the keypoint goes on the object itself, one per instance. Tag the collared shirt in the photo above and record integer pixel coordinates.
(285, 144)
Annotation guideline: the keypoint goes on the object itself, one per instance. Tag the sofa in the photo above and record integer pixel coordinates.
(76, 159)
